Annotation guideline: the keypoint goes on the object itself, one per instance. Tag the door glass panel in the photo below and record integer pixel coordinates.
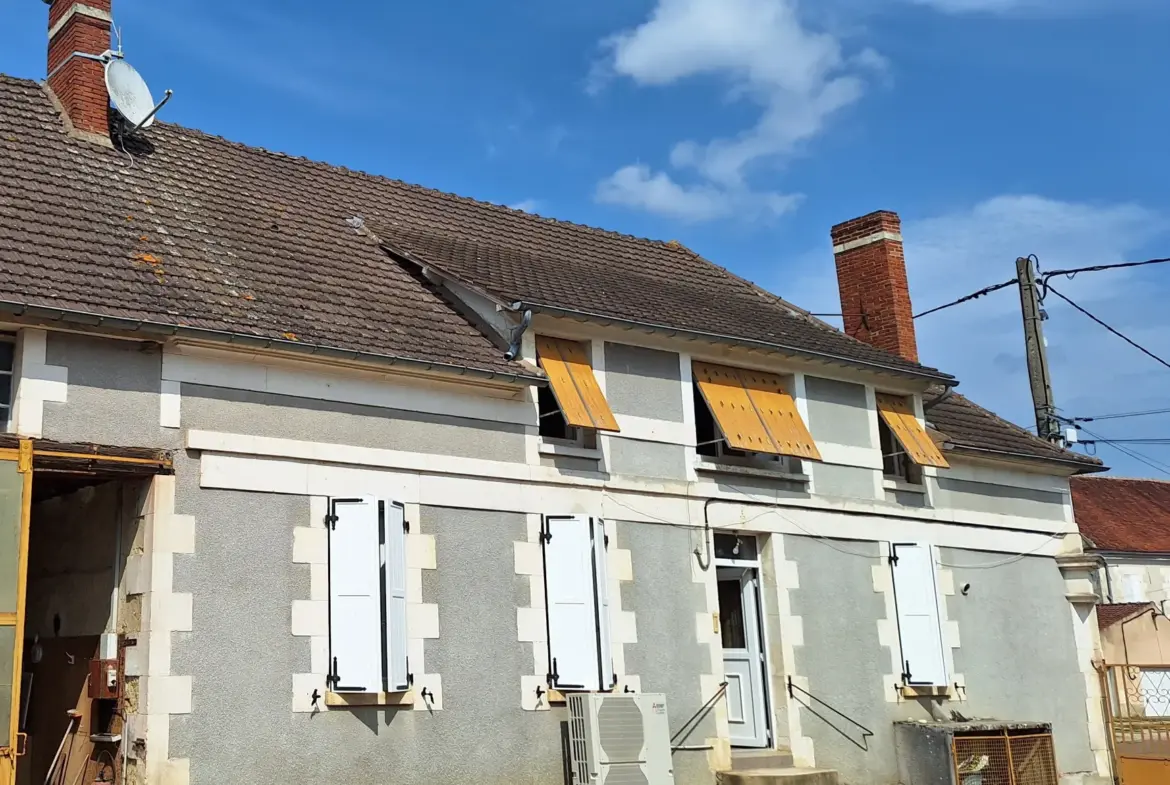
(731, 619)
(11, 486)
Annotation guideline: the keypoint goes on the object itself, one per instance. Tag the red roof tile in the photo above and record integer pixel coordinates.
(1119, 514)
(1108, 615)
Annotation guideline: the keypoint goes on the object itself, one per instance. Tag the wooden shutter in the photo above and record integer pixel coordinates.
(604, 635)
(394, 537)
(570, 375)
(919, 625)
(899, 416)
(754, 411)
(355, 596)
(571, 603)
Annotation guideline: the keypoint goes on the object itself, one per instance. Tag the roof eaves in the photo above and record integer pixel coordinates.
(255, 341)
(1086, 465)
(553, 310)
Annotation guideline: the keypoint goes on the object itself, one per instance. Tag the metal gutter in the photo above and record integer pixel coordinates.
(939, 377)
(161, 329)
(1088, 467)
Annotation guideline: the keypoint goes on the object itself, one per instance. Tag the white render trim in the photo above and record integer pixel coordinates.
(869, 239)
(80, 9)
(35, 383)
(150, 574)
(875, 438)
(569, 450)
(310, 617)
(296, 467)
(170, 404)
(649, 429)
(707, 634)
(791, 635)
(264, 374)
(688, 407)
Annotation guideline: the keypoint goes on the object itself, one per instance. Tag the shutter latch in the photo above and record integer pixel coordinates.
(331, 521)
(553, 676)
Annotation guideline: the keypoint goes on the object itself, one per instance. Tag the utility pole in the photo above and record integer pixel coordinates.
(1047, 426)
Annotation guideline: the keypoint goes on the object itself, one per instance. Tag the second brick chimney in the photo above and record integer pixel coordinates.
(80, 83)
(871, 275)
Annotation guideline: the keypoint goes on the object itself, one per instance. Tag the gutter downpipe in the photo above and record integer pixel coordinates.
(939, 378)
(947, 393)
(517, 338)
(146, 327)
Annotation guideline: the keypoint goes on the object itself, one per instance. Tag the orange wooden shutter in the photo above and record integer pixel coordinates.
(573, 384)
(777, 410)
(754, 410)
(900, 417)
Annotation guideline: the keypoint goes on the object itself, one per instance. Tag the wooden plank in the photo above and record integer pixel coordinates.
(560, 377)
(727, 398)
(777, 409)
(338, 699)
(899, 416)
(574, 356)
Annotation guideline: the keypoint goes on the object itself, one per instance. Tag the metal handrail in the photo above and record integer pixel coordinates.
(866, 733)
(687, 728)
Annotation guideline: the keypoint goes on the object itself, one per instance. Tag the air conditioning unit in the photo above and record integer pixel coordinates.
(619, 739)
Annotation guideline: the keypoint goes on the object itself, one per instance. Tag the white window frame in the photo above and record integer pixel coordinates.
(918, 642)
(580, 658)
(378, 553)
(8, 372)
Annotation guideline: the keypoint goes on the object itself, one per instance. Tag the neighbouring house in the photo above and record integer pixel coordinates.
(316, 476)
(1126, 525)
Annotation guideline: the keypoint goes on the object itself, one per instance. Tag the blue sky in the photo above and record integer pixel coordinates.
(745, 129)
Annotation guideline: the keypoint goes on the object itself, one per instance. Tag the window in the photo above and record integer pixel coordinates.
(749, 418)
(576, 589)
(367, 596)
(905, 444)
(572, 408)
(919, 622)
(7, 361)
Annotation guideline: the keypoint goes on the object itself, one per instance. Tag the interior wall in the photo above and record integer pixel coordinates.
(78, 545)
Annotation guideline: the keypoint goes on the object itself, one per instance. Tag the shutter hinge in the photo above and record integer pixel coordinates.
(906, 675)
(553, 676)
(331, 521)
(546, 535)
(605, 540)
(893, 556)
(409, 674)
(405, 525)
(333, 679)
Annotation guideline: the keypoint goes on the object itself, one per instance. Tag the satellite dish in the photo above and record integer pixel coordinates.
(130, 94)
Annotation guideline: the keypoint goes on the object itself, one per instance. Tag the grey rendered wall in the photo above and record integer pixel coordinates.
(838, 412)
(1017, 656)
(850, 482)
(241, 655)
(997, 499)
(1016, 630)
(647, 459)
(668, 656)
(113, 395)
(643, 382)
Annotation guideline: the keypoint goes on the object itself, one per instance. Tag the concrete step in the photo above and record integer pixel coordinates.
(785, 776)
(742, 760)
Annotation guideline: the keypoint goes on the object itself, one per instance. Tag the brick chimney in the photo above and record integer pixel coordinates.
(871, 275)
(80, 84)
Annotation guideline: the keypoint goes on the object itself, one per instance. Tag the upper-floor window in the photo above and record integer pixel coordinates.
(7, 362)
(745, 417)
(572, 408)
(905, 444)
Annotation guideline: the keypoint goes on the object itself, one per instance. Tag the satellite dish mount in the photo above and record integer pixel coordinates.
(127, 90)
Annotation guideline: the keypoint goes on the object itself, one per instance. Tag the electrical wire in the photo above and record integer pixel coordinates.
(1137, 456)
(969, 297)
(1121, 415)
(1099, 267)
(1010, 560)
(1118, 333)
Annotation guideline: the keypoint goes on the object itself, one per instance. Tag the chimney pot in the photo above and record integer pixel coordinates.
(80, 83)
(871, 277)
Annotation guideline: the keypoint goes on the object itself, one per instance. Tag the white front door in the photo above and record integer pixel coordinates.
(743, 660)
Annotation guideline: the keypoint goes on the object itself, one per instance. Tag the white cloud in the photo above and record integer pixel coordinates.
(798, 78)
(526, 205)
(981, 342)
(637, 186)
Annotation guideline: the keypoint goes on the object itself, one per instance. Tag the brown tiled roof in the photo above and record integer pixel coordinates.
(203, 233)
(1108, 615)
(210, 234)
(1121, 514)
(965, 424)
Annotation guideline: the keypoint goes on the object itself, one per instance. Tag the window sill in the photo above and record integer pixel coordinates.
(354, 699)
(569, 450)
(714, 467)
(925, 691)
(901, 485)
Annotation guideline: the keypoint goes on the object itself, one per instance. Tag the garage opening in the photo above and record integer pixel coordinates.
(82, 532)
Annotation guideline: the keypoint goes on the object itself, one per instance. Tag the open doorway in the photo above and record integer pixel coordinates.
(83, 527)
(745, 665)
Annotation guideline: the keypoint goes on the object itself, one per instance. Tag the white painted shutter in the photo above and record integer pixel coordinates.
(355, 596)
(569, 595)
(919, 627)
(601, 570)
(397, 670)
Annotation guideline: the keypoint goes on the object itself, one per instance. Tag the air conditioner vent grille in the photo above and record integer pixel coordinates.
(621, 731)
